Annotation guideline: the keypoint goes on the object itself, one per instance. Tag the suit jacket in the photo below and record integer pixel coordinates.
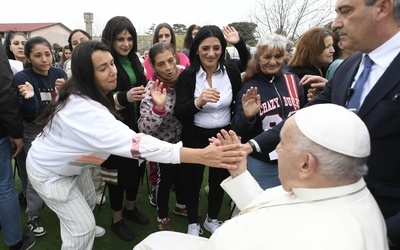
(380, 111)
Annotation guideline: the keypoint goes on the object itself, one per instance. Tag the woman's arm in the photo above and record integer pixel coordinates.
(185, 108)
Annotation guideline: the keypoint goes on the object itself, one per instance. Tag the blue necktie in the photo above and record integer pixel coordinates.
(354, 102)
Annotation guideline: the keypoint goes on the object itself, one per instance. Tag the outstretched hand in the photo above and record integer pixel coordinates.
(317, 84)
(221, 153)
(220, 156)
(230, 138)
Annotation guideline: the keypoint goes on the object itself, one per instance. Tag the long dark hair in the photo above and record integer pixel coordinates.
(31, 42)
(187, 41)
(7, 42)
(76, 31)
(115, 26)
(81, 83)
(173, 37)
(206, 32)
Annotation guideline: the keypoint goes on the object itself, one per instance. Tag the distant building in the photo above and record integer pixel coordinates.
(53, 32)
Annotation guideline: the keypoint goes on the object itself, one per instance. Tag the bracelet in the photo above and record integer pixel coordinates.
(253, 146)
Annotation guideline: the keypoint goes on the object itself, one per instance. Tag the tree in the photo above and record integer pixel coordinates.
(150, 31)
(57, 47)
(179, 29)
(291, 17)
(246, 30)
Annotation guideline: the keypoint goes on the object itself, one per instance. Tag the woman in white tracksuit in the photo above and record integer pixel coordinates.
(80, 131)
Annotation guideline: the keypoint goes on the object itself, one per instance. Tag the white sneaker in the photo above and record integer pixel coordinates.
(35, 226)
(98, 199)
(212, 226)
(99, 232)
(194, 229)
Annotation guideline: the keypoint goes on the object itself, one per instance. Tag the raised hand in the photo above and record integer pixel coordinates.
(136, 94)
(26, 90)
(158, 94)
(231, 35)
(251, 103)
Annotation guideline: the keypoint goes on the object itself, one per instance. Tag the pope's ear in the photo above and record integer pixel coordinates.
(308, 167)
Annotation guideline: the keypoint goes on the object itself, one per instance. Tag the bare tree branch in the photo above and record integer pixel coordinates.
(291, 17)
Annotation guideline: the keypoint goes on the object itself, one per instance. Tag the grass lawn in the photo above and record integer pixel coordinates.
(51, 240)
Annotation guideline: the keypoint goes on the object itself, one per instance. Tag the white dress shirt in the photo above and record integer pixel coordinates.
(214, 115)
(382, 57)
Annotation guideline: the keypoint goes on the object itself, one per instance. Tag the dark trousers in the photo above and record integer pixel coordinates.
(192, 177)
(128, 182)
(168, 175)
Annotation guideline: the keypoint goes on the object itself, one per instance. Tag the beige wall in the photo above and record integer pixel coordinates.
(54, 34)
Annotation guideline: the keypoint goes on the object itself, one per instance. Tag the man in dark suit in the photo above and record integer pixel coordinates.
(371, 27)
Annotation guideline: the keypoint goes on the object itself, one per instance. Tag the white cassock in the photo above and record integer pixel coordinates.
(345, 218)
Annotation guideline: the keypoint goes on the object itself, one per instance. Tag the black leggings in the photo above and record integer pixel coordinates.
(168, 175)
(128, 181)
(192, 177)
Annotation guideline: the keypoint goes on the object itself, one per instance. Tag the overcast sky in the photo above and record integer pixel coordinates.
(141, 12)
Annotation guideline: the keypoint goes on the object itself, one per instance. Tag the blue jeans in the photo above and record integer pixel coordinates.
(10, 218)
(265, 173)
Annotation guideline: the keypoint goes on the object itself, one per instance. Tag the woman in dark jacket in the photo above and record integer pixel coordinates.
(280, 95)
(205, 95)
(121, 37)
(314, 53)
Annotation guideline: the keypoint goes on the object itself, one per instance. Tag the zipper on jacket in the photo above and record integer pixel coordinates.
(280, 98)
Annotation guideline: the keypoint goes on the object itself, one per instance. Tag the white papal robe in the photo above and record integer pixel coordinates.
(337, 218)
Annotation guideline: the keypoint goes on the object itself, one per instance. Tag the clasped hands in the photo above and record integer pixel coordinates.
(236, 162)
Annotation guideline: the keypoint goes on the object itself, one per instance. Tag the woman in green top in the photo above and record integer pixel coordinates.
(121, 37)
